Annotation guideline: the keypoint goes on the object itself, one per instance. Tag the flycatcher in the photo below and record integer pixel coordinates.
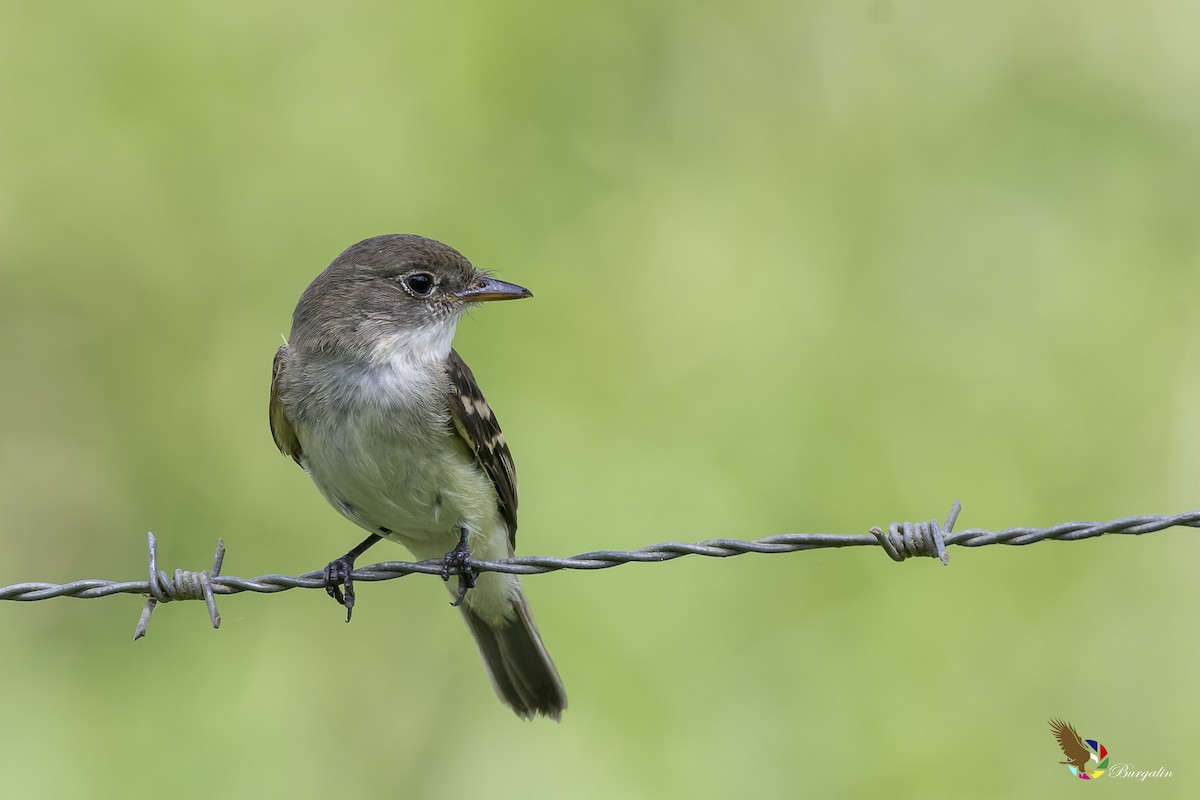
(369, 398)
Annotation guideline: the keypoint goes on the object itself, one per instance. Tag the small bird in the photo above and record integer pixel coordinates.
(1072, 746)
(368, 396)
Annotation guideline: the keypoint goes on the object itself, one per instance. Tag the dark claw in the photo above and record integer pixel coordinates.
(338, 579)
(339, 576)
(458, 561)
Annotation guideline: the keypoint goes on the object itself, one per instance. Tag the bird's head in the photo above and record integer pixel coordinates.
(394, 293)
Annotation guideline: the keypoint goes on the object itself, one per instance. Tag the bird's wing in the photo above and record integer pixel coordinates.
(281, 427)
(476, 424)
(1072, 746)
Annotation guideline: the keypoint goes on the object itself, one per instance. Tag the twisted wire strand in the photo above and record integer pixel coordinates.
(902, 540)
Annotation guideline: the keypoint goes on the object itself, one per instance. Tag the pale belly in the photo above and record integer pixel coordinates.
(417, 490)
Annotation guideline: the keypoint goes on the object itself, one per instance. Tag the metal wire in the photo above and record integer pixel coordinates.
(902, 540)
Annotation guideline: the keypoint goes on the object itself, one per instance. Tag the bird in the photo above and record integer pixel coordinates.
(369, 397)
(1072, 746)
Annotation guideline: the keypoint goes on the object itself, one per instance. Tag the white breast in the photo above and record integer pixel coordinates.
(386, 455)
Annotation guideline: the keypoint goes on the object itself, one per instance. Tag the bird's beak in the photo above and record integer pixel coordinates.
(492, 289)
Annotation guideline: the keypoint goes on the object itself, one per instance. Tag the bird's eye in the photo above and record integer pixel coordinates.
(418, 284)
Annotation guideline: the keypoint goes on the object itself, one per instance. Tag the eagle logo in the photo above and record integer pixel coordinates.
(1079, 751)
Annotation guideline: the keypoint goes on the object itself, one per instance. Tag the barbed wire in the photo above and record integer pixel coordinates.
(902, 540)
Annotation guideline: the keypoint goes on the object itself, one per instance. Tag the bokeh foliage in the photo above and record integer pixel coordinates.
(798, 266)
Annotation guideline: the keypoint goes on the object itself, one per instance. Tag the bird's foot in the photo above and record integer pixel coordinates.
(338, 579)
(458, 562)
(339, 576)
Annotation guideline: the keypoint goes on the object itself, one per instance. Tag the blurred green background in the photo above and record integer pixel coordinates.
(798, 267)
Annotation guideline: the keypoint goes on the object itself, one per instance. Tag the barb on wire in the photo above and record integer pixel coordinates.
(185, 586)
(901, 541)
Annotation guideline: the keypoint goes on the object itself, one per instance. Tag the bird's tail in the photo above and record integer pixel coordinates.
(522, 673)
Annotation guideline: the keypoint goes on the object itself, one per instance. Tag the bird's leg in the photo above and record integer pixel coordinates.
(458, 561)
(338, 574)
